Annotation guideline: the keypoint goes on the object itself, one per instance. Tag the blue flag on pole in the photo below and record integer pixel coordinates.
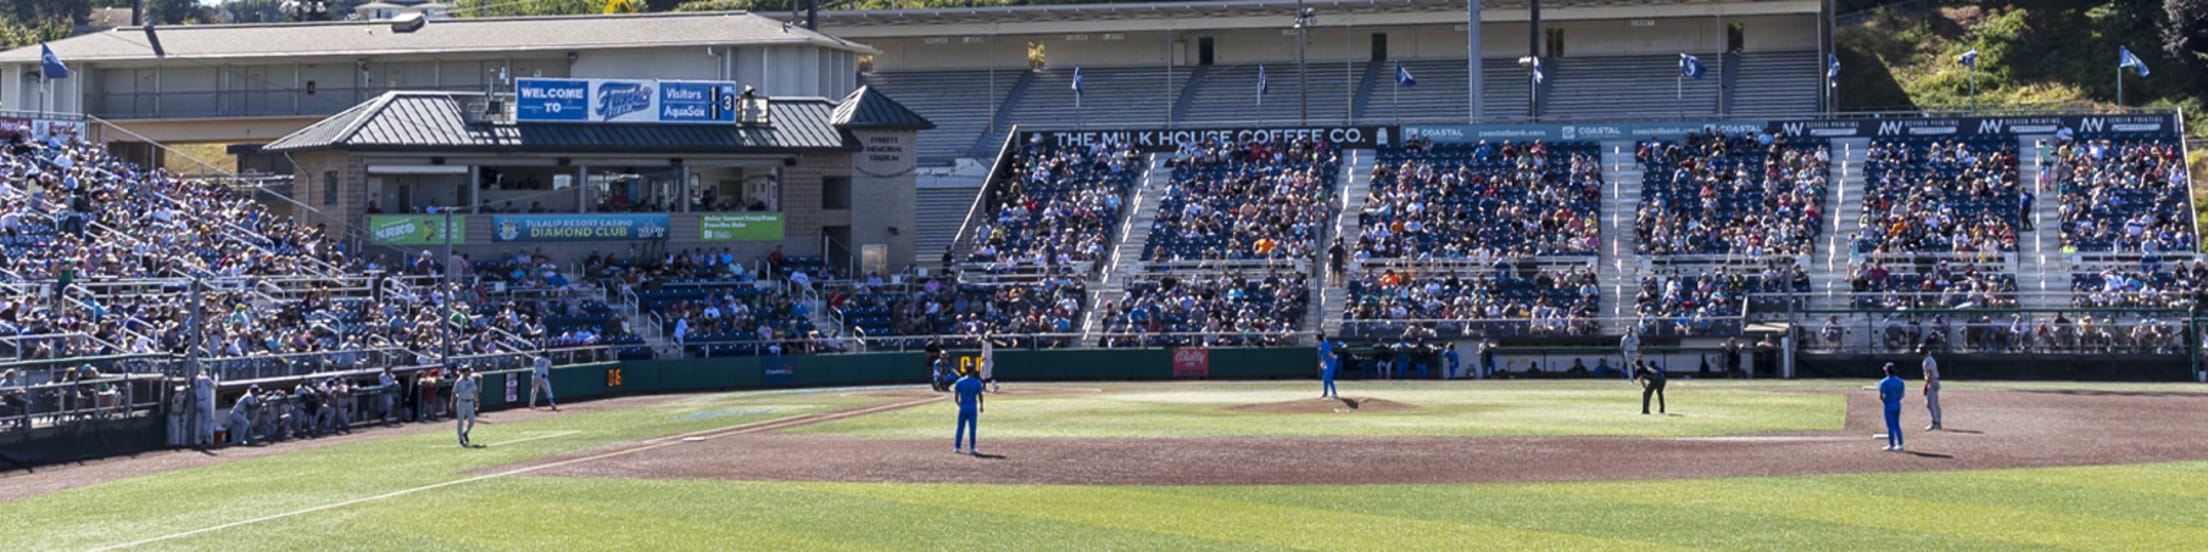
(1262, 83)
(1537, 76)
(1832, 70)
(1403, 76)
(53, 68)
(2124, 58)
(1969, 58)
(1691, 67)
(1077, 81)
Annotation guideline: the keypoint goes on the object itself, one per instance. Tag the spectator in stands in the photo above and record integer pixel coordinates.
(1057, 206)
(1941, 285)
(1714, 300)
(1513, 200)
(1551, 302)
(2128, 196)
(1246, 201)
(1941, 196)
(1743, 194)
(1217, 309)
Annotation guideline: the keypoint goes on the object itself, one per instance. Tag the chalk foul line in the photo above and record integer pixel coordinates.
(646, 445)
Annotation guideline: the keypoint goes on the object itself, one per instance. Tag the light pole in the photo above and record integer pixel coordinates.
(1305, 18)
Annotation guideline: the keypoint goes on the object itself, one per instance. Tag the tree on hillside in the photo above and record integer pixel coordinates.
(2186, 36)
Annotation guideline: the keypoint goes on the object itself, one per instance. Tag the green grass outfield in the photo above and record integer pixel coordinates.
(2140, 507)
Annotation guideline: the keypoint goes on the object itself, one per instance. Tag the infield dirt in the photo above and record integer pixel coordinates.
(1989, 429)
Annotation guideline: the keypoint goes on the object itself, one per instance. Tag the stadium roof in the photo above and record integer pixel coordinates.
(439, 36)
(1196, 11)
(866, 108)
(418, 121)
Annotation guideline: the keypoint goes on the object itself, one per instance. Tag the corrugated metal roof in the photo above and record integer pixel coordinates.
(868, 108)
(415, 121)
(440, 36)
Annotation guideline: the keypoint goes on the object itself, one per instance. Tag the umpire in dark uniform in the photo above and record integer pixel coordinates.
(1652, 378)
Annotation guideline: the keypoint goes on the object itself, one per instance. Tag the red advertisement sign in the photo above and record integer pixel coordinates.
(11, 126)
(1191, 363)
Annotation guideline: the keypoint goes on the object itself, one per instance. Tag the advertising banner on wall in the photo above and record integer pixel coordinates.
(778, 371)
(538, 100)
(740, 227)
(414, 229)
(14, 126)
(592, 227)
(1465, 134)
(1169, 139)
(1973, 126)
(1191, 363)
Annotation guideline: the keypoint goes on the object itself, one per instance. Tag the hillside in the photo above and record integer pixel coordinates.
(2031, 53)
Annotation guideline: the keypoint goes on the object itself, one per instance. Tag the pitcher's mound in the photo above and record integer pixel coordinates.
(1325, 406)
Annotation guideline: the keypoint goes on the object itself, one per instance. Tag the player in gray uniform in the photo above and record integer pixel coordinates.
(463, 404)
(1630, 347)
(241, 416)
(1931, 388)
(203, 410)
(540, 377)
(389, 392)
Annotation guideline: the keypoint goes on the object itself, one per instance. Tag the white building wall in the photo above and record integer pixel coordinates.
(1334, 43)
(648, 63)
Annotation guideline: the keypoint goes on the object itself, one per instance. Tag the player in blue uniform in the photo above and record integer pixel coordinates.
(1890, 391)
(1449, 361)
(1329, 365)
(967, 391)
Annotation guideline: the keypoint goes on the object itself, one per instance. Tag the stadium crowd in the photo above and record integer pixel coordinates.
(2179, 288)
(1549, 302)
(1739, 194)
(1059, 205)
(1482, 200)
(1713, 300)
(1940, 285)
(2128, 195)
(1247, 201)
(1211, 309)
(1942, 195)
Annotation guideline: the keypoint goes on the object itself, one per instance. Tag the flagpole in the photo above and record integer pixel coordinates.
(1974, 87)
(2119, 84)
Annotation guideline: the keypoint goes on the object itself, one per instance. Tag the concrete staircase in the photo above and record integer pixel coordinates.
(1108, 286)
(1618, 268)
(1333, 295)
(1828, 280)
(2043, 270)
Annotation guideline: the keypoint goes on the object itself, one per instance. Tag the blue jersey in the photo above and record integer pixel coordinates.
(1326, 350)
(968, 391)
(1890, 391)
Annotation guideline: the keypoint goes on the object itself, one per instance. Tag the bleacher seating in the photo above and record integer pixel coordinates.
(1776, 83)
(1933, 194)
(1734, 194)
(1057, 206)
(1209, 309)
(1479, 200)
(1453, 304)
(1628, 87)
(1246, 201)
(1874, 285)
(2124, 192)
(1228, 93)
(1712, 300)
(962, 104)
(1441, 94)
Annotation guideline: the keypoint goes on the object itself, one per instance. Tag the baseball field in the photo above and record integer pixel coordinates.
(1189, 466)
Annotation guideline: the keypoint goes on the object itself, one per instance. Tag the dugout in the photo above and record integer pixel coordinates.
(651, 166)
